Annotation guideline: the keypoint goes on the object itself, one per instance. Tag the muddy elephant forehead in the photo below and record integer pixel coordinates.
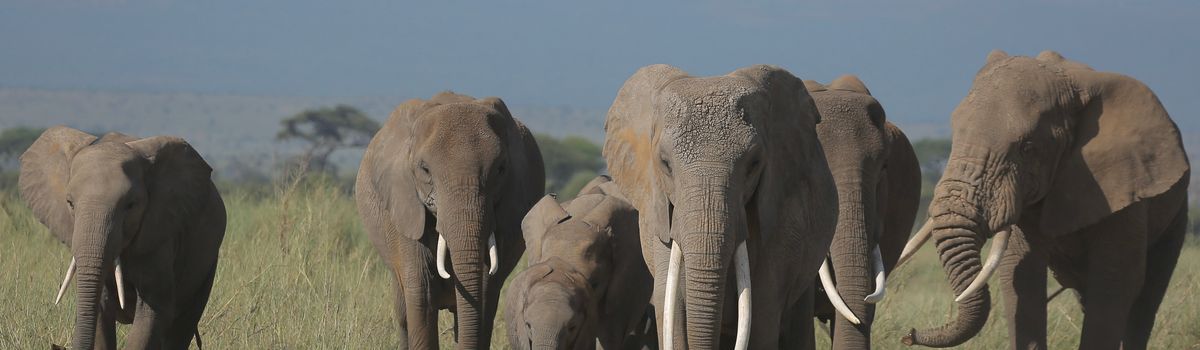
(707, 118)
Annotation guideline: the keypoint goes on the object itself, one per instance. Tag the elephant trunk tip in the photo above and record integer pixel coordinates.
(907, 339)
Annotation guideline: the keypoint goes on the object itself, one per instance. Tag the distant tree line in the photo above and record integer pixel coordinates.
(570, 161)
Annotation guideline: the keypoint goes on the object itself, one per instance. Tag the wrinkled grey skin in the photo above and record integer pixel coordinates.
(586, 285)
(462, 168)
(879, 189)
(709, 163)
(148, 202)
(1091, 169)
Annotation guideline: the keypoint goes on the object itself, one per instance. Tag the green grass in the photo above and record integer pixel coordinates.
(297, 271)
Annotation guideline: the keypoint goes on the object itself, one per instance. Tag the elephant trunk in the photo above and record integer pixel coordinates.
(958, 245)
(852, 260)
(466, 228)
(94, 253)
(707, 247)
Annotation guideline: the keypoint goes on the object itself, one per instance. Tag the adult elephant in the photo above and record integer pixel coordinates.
(144, 224)
(879, 188)
(1091, 169)
(727, 174)
(449, 179)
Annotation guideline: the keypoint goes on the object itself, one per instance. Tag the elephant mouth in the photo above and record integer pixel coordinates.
(118, 276)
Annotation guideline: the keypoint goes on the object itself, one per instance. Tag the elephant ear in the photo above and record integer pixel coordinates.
(1125, 149)
(814, 86)
(178, 183)
(631, 146)
(899, 194)
(593, 187)
(526, 173)
(386, 188)
(795, 196)
(545, 214)
(849, 82)
(45, 169)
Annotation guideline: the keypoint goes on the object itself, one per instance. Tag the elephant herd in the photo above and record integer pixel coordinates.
(737, 209)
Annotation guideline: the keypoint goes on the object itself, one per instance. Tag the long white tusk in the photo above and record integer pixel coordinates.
(120, 283)
(669, 297)
(741, 264)
(493, 255)
(834, 297)
(441, 258)
(989, 267)
(915, 243)
(66, 281)
(880, 277)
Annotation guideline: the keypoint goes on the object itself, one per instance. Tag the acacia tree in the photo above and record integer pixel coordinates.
(326, 130)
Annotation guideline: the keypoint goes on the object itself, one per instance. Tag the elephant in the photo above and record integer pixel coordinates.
(878, 181)
(144, 223)
(448, 179)
(586, 285)
(729, 180)
(1064, 167)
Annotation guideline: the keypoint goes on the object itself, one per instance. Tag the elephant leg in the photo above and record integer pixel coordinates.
(1023, 283)
(1116, 266)
(419, 310)
(155, 302)
(184, 328)
(661, 257)
(399, 306)
(1160, 264)
(106, 326)
(798, 332)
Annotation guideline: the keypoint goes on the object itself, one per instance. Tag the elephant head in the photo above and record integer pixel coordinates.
(1046, 138)
(456, 170)
(587, 282)
(711, 164)
(878, 182)
(106, 198)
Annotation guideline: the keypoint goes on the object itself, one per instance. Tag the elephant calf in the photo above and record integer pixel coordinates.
(144, 223)
(586, 282)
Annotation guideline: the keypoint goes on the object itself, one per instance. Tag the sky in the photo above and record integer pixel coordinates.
(918, 57)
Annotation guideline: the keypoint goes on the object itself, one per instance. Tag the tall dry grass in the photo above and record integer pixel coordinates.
(297, 272)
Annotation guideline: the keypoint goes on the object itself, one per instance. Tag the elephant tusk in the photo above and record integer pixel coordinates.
(441, 258)
(880, 277)
(120, 277)
(834, 297)
(741, 261)
(669, 296)
(989, 267)
(493, 255)
(66, 281)
(915, 243)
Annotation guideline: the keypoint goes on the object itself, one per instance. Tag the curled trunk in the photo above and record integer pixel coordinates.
(958, 246)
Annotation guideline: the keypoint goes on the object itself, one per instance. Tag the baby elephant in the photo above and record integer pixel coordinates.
(587, 285)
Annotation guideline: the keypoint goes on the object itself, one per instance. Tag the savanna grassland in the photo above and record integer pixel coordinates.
(298, 272)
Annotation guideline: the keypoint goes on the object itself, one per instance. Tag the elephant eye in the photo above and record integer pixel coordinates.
(500, 171)
(1027, 147)
(424, 167)
(665, 165)
(70, 204)
(129, 206)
